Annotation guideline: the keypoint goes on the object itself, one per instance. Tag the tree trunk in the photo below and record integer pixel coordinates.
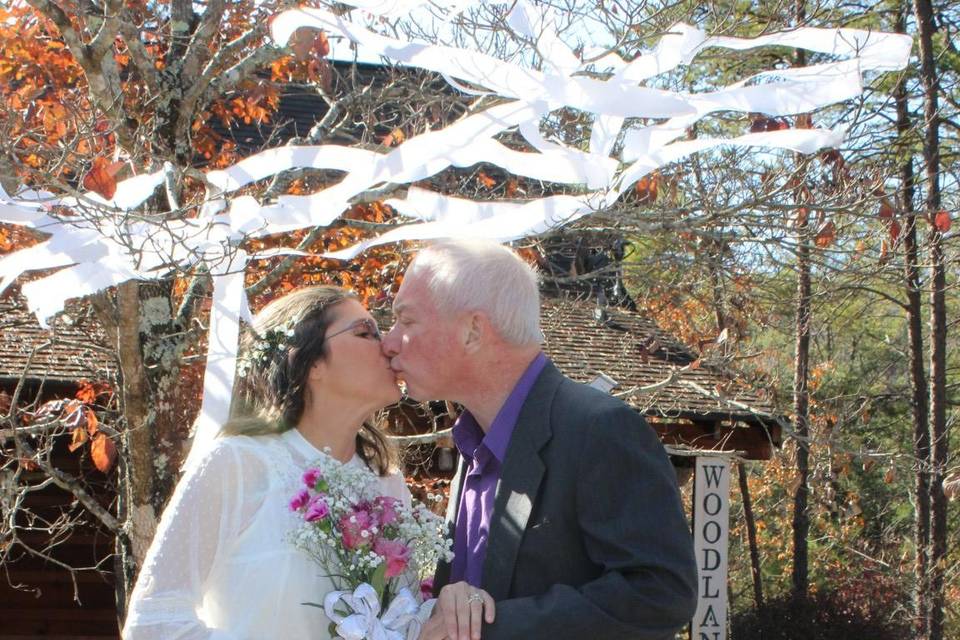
(938, 322)
(801, 398)
(136, 468)
(801, 403)
(918, 379)
(149, 346)
(752, 538)
(938, 437)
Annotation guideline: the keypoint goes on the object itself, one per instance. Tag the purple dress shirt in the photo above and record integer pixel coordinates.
(483, 457)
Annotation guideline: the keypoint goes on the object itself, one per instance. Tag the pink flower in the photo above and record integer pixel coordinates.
(352, 527)
(311, 476)
(426, 588)
(395, 553)
(388, 509)
(318, 509)
(300, 500)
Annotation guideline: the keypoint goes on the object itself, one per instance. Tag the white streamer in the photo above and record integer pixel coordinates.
(229, 304)
(122, 246)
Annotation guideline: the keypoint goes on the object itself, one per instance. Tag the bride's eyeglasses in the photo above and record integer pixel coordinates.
(364, 328)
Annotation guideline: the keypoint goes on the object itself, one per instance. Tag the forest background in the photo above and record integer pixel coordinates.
(828, 280)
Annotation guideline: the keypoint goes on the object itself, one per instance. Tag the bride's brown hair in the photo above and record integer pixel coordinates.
(286, 339)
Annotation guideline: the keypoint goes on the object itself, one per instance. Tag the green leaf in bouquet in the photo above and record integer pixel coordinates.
(379, 579)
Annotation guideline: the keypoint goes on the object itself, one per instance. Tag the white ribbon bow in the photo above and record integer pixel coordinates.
(399, 622)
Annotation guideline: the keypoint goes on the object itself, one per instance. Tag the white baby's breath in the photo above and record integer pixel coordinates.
(347, 490)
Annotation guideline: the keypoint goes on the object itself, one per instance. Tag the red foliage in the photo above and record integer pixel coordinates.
(103, 452)
(941, 221)
(826, 234)
(101, 177)
(762, 123)
(646, 188)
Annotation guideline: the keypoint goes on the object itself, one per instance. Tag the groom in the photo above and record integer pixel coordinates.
(565, 513)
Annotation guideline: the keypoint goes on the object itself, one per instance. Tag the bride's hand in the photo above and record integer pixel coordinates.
(459, 613)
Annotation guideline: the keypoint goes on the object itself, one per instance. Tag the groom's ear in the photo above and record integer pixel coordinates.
(475, 329)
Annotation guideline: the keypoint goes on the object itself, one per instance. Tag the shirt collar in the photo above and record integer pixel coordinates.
(468, 435)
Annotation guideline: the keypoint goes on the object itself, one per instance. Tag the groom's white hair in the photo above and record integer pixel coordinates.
(481, 275)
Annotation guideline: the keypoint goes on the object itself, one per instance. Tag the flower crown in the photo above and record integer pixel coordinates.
(264, 349)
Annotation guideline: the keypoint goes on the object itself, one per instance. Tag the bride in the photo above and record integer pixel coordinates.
(220, 566)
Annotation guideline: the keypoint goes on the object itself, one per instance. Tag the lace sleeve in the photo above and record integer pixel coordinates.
(203, 516)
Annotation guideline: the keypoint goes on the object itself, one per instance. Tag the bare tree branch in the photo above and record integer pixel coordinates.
(198, 51)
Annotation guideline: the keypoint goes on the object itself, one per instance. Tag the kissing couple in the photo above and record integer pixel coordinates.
(564, 514)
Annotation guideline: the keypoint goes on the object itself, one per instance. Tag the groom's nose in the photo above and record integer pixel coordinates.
(390, 344)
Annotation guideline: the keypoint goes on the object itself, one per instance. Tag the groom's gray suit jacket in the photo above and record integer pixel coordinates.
(588, 539)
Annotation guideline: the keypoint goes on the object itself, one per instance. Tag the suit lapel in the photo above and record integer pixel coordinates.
(456, 488)
(442, 575)
(519, 482)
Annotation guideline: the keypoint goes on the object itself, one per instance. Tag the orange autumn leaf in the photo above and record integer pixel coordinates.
(92, 421)
(321, 46)
(87, 393)
(307, 43)
(393, 138)
(886, 209)
(78, 439)
(826, 234)
(762, 123)
(941, 221)
(894, 231)
(777, 125)
(486, 180)
(646, 188)
(103, 452)
(530, 256)
(100, 179)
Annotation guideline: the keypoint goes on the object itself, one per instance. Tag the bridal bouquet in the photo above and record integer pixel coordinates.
(375, 549)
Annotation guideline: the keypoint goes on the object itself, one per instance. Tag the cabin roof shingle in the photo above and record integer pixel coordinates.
(70, 350)
(622, 344)
(637, 354)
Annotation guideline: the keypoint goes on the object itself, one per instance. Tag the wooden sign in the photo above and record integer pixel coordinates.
(711, 526)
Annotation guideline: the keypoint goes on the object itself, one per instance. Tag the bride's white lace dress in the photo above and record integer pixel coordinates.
(220, 566)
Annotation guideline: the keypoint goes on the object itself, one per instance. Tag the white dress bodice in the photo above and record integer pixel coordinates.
(221, 565)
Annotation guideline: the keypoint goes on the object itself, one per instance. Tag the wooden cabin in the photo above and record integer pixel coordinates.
(38, 596)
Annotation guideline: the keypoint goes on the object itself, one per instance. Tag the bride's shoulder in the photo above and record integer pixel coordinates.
(249, 444)
(241, 451)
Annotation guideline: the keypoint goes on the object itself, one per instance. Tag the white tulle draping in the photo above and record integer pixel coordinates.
(122, 246)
